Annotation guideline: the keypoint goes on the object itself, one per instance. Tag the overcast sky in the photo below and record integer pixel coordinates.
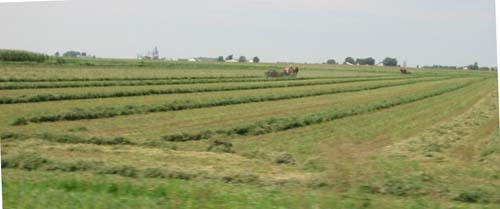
(422, 32)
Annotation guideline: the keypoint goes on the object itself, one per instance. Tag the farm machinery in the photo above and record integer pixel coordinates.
(289, 71)
(404, 70)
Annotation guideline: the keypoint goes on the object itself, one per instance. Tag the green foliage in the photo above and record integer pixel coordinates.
(474, 66)
(256, 60)
(21, 56)
(220, 59)
(73, 54)
(242, 59)
(331, 62)
(365, 61)
(350, 60)
(390, 62)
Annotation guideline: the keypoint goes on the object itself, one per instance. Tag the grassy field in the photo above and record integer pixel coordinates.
(103, 133)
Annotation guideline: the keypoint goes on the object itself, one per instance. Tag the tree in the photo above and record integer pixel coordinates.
(242, 59)
(71, 54)
(390, 62)
(474, 66)
(57, 54)
(84, 54)
(229, 57)
(331, 62)
(349, 60)
(256, 60)
(365, 61)
(220, 59)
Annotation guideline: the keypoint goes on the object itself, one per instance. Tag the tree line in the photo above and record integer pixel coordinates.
(393, 62)
(389, 61)
(240, 59)
(74, 54)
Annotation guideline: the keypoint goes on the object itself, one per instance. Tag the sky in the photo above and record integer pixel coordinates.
(420, 32)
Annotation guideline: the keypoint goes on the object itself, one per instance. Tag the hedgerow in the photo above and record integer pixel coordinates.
(282, 124)
(109, 112)
(21, 56)
(59, 97)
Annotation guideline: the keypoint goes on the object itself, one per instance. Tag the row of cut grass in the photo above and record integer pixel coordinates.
(282, 124)
(188, 89)
(123, 78)
(176, 105)
(79, 84)
(11, 111)
(144, 127)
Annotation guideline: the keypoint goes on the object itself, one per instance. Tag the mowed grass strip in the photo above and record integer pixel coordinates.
(9, 112)
(142, 82)
(190, 104)
(153, 126)
(282, 124)
(23, 80)
(31, 96)
(351, 141)
(109, 160)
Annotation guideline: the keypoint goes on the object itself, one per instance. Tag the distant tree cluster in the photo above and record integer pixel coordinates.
(474, 66)
(349, 60)
(74, 54)
(441, 67)
(359, 61)
(390, 62)
(331, 62)
(240, 59)
(365, 61)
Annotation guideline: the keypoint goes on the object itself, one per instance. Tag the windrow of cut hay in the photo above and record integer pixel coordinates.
(79, 84)
(282, 124)
(97, 95)
(192, 104)
(55, 79)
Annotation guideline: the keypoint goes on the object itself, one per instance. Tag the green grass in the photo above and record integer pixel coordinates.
(336, 137)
